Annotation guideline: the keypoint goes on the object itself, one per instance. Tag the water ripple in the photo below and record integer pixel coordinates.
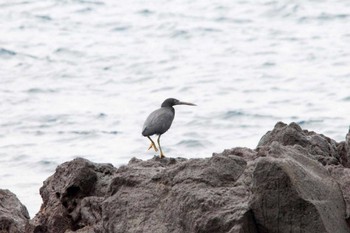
(6, 52)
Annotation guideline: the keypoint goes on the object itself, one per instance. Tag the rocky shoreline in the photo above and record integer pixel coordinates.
(294, 181)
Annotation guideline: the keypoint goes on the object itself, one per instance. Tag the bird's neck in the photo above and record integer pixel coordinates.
(166, 104)
(169, 107)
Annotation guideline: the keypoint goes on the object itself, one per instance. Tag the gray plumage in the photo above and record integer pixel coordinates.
(160, 120)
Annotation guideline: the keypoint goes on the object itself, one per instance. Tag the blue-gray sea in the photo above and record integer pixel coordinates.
(79, 77)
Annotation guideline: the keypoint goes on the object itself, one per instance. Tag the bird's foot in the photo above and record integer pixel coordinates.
(154, 147)
(162, 155)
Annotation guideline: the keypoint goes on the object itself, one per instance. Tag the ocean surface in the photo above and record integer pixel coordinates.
(79, 77)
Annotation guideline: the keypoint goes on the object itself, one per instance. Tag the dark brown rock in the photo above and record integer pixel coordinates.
(319, 147)
(293, 193)
(342, 176)
(63, 193)
(158, 195)
(344, 151)
(13, 215)
(196, 195)
(294, 181)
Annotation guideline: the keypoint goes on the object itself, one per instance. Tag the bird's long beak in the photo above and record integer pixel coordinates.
(185, 103)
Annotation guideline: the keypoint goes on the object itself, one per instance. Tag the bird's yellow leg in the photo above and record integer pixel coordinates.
(152, 145)
(160, 148)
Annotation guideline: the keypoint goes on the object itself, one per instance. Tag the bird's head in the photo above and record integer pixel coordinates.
(171, 102)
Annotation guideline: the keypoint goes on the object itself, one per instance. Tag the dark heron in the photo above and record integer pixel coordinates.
(159, 121)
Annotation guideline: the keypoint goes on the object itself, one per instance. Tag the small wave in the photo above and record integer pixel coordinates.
(180, 34)
(254, 91)
(121, 28)
(110, 132)
(101, 115)
(39, 90)
(323, 17)
(68, 52)
(284, 11)
(190, 143)
(230, 20)
(14, 3)
(51, 118)
(234, 113)
(207, 29)
(46, 165)
(76, 132)
(146, 12)
(268, 64)
(237, 113)
(45, 162)
(6, 52)
(264, 53)
(84, 10)
(308, 122)
(88, 132)
(44, 17)
(83, 132)
(91, 2)
(346, 98)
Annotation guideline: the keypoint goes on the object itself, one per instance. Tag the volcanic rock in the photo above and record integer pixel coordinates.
(14, 216)
(294, 181)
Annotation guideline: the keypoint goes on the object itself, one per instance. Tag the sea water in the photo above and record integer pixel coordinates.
(79, 77)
